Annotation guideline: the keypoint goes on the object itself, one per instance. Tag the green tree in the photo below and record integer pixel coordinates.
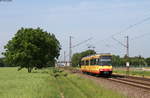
(76, 58)
(116, 60)
(32, 48)
(87, 53)
(148, 61)
(2, 64)
(137, 61)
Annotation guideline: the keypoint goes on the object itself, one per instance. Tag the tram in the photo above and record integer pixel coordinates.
(97, 64)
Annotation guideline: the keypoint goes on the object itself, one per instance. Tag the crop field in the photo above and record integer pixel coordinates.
(49, 83)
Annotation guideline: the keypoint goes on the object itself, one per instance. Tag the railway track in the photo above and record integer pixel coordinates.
(132, 82)
(139, 82)
(132, 77)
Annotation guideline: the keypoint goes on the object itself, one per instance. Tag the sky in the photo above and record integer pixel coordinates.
(99, 20)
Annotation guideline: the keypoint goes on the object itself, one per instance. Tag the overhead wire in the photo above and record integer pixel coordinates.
(131, 26)
(126, 29)
(82, 42)
(122, 31)
(140, 36)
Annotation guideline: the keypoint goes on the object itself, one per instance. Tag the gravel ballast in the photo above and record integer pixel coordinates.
(127, 90)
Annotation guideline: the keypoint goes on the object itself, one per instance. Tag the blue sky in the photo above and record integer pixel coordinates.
(81, 19)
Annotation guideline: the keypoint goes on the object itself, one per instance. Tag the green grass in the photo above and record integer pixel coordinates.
(49, 83)
(133, 72)
(20, 84)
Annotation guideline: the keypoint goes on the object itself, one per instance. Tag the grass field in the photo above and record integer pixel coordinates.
(133, 72)
(49, 83)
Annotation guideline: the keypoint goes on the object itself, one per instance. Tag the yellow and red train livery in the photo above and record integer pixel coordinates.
(97, 64)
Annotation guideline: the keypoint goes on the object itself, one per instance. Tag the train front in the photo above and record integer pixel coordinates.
(105, 64)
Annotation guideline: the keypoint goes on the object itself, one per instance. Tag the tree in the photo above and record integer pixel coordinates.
(76, 58)
(148, 61)
(137, 61)
(32, 48)
(116, 60)
(2, 64)
(87, 53)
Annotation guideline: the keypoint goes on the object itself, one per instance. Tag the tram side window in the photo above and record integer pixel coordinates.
(87, 62)
(97, 61)
(91, 62)
(94, 61)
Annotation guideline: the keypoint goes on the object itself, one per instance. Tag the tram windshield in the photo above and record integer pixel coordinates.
(105, 60)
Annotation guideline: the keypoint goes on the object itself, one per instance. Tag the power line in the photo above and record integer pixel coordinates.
(112, 36)
(133, 25)
(118, 41)
(71, 47)
(127, 28)
(124, 30)
(140, 36)
(82, 42)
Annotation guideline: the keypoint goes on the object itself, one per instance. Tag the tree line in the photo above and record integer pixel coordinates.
(137, 61)
(117, 61)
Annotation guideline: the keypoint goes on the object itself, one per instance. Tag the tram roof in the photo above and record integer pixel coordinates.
(95, 56)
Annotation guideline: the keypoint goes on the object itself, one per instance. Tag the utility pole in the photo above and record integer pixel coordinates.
(127, 52)
(127, 56)
(64, 58)
(73, 46)
(70, 50)
(127, 46)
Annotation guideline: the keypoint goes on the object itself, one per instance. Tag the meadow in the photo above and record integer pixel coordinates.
(49, 83)
(141, 73)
